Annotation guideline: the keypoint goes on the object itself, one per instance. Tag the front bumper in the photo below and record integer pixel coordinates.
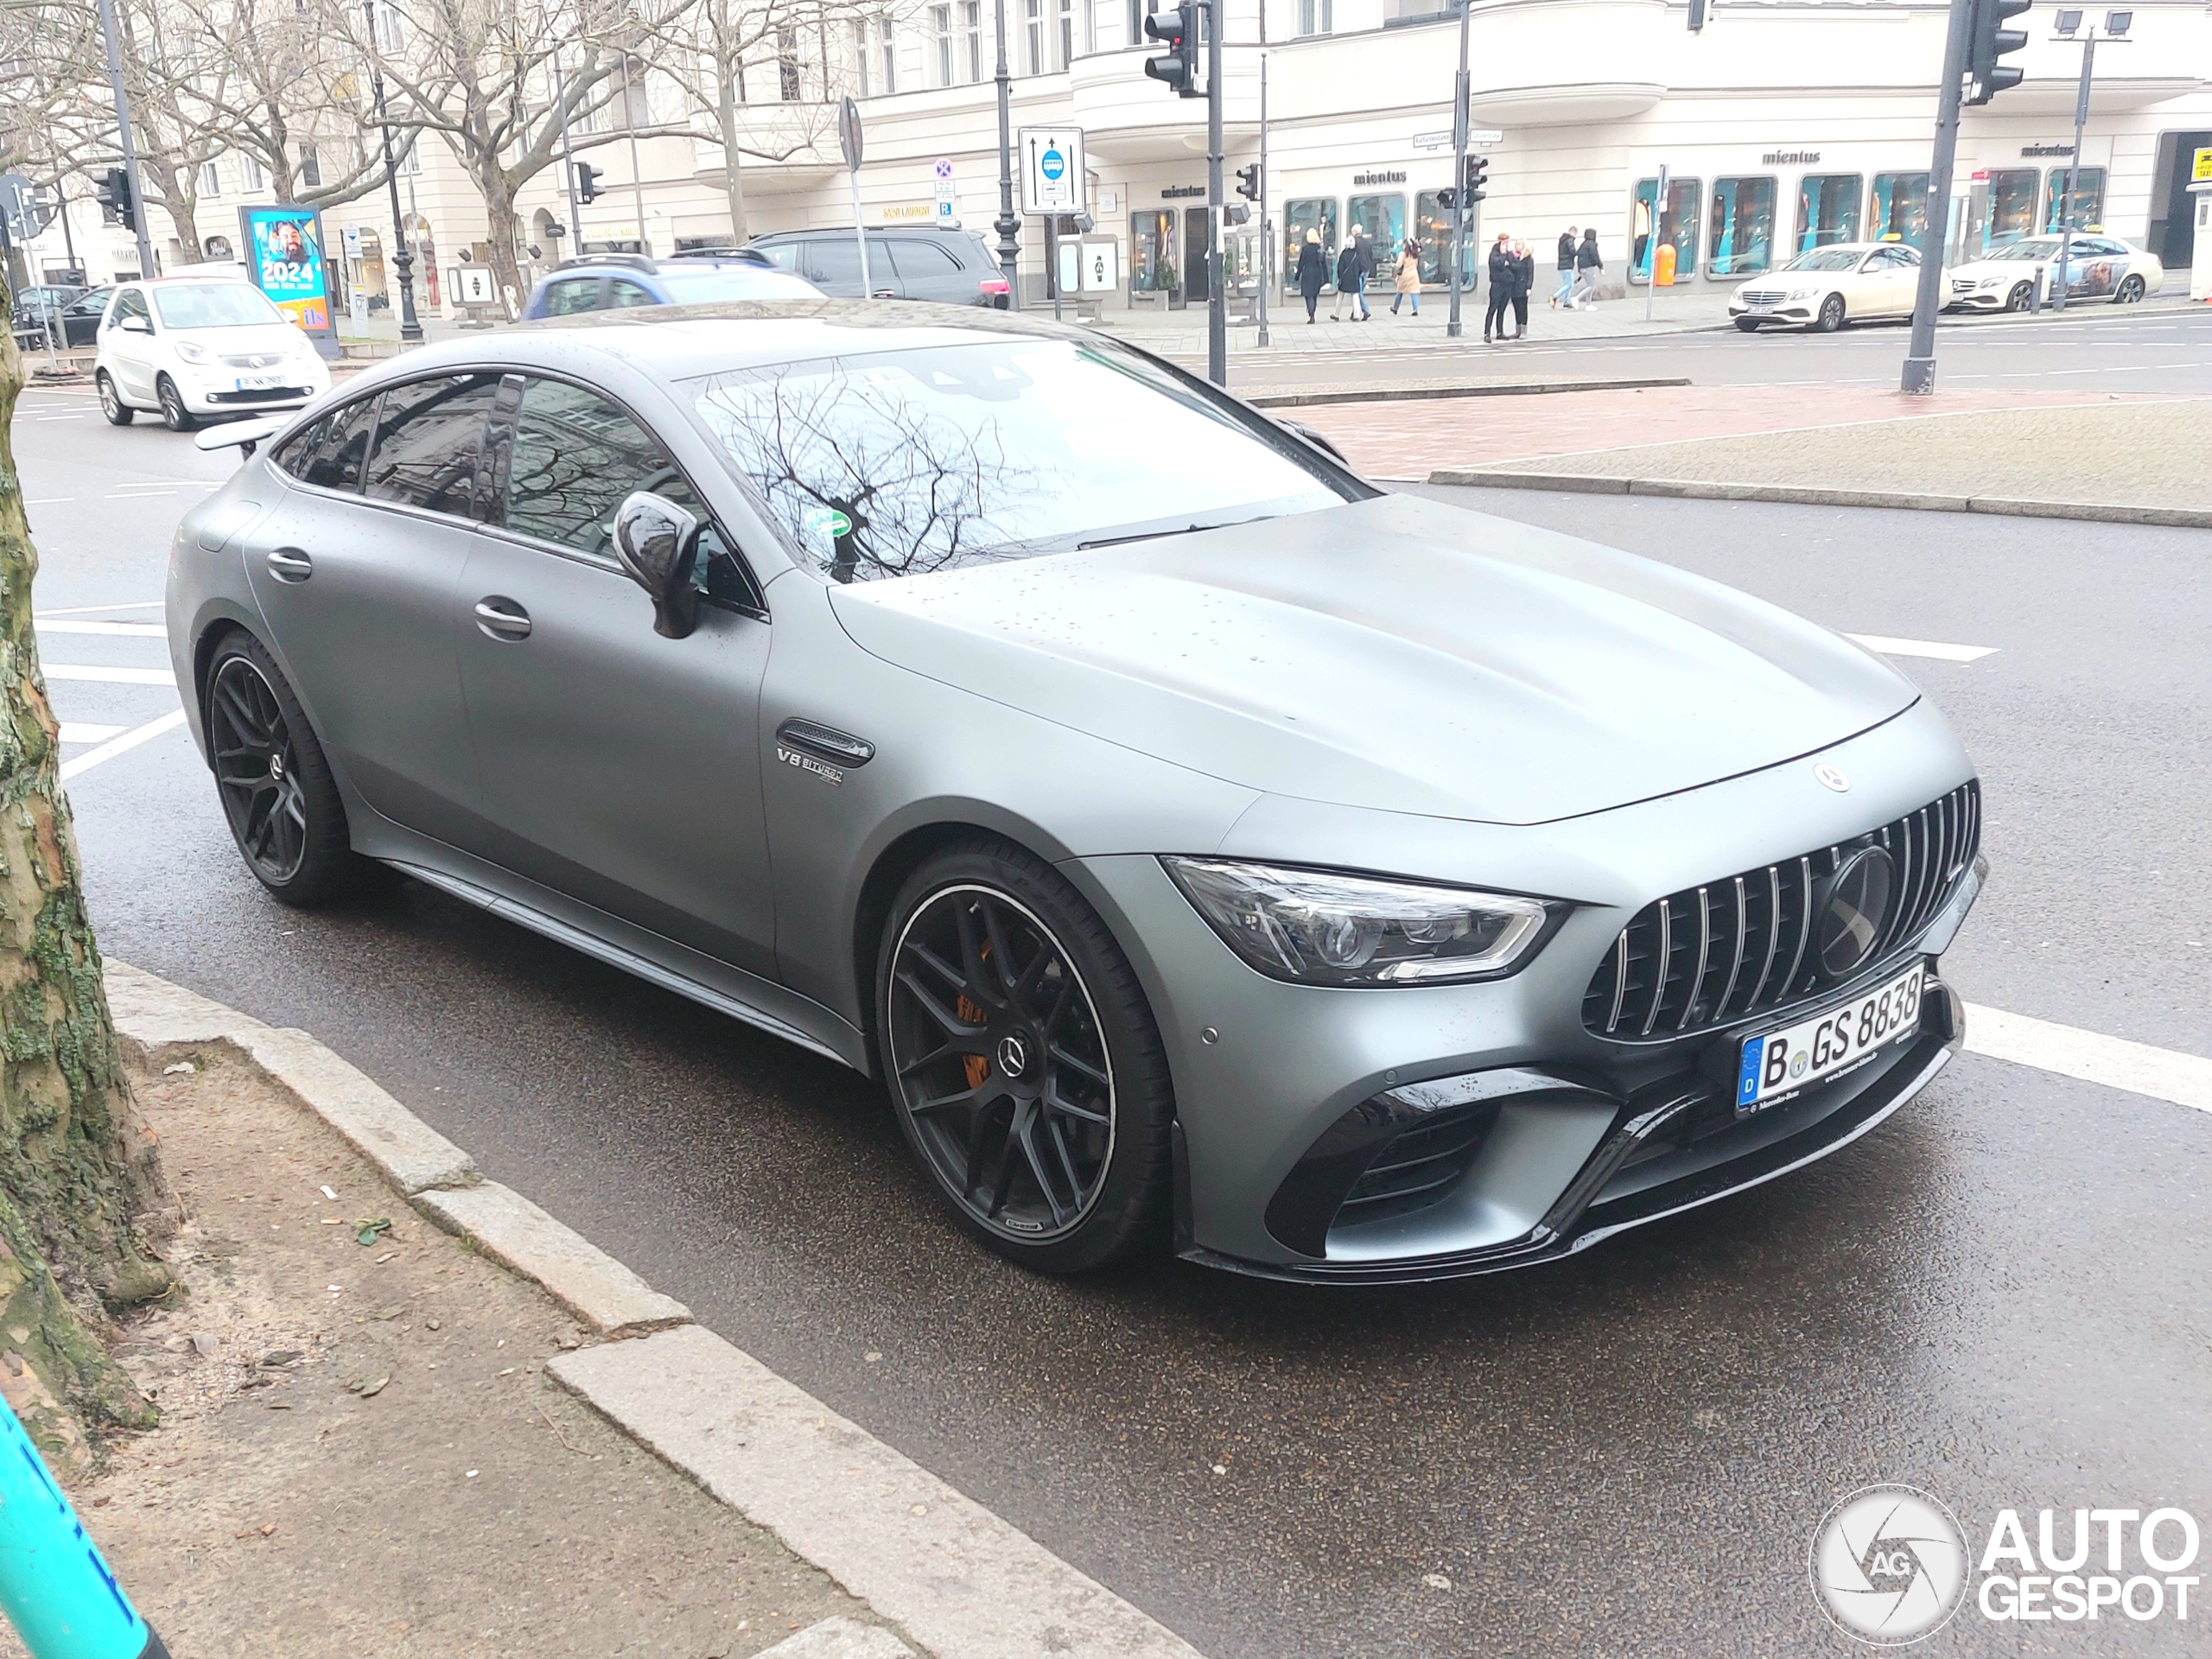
(1793, 315)
(219, 395)
(1562, 1148)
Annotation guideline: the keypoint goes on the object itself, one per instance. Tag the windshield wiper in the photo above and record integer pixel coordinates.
(1153, 534)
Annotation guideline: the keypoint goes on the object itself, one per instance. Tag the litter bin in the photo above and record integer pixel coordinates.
(1663, 265)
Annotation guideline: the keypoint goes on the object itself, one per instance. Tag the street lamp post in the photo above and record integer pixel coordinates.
(410, 326)
(1458, 173)
(122, 132)
(2116, 26)
(1009, 250)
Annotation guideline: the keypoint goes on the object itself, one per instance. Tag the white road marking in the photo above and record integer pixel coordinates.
(120, 629)
(51, 501)
(141, 493)
(102, 675)
(2161, 1074)
(78, 731)
(89, 610)
(1889, 647)
(130, 741)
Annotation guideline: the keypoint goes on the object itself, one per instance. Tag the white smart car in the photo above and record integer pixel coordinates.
(188, 347)
(2098, 267)
(1825, 288)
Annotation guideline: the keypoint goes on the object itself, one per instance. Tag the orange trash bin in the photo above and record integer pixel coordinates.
(1663, 265)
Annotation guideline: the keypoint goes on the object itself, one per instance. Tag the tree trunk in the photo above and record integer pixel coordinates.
(77, 1169)
(503, 229)
(733, 180)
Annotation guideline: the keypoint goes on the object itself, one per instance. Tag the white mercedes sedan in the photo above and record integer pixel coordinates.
(1825, 288)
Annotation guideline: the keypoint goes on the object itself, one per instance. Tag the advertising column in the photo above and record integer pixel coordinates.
(284, 259)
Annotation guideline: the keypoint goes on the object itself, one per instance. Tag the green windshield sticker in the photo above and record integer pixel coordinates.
(827, 521)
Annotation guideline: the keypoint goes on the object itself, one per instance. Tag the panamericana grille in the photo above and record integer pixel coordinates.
(1762, 297)
(1740, 946)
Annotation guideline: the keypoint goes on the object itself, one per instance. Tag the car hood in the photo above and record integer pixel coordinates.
(257, 339)
(1393, 653)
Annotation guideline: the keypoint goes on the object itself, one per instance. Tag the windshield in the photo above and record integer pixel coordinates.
(2025, 251)
(718, 282)
(1827, 259)
(901, 462)
(214, 305)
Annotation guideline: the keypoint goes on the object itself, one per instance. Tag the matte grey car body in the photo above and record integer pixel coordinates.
(1384, 686)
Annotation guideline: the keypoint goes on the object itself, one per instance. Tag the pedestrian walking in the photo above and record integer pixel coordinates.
(1408, 276)
(1313, 272)
(1351, 279)
(1524, 284)
(1588, 262)
(1563, 294)
(1503, 274)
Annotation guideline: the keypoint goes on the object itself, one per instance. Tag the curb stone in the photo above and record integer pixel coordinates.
(960, 1581)
(1699, 489)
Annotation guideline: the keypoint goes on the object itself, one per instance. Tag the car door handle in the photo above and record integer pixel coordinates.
(291, 564)
(500, 618)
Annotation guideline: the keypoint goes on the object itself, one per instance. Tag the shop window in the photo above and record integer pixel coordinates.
(2089, 199)
(2012, 205)
(1743, 226)
(1303, 215)
(1383, 218)
(1677, 223)
(1433, 225)
(1900, 208)
(1827, 209)
(1152, 253)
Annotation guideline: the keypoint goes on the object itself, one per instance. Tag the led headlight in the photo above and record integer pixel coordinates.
(1322, 928)
(1802, 293)
(190, 353)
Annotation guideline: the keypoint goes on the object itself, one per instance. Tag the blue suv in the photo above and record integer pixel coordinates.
(613, 282)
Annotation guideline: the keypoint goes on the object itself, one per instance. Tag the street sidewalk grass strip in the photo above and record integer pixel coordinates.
(575, 1272)
(839, 1638)
(2161, 1074)
(953, 1575)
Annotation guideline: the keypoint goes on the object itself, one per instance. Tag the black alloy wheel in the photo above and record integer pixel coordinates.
(1831, 317)
(2130, 290)
(1023, 1060)
(174, 415)
(118, 413)
(2022, 297)
(277, 793)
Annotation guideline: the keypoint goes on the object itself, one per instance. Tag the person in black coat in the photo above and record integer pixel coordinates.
(1565, 291)
(1351, 277)
(1524, 284)
(1313, 272)
(1505, 273)
(1588, 262)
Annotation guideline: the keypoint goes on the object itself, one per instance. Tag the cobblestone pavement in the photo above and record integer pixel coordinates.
(1412, 439)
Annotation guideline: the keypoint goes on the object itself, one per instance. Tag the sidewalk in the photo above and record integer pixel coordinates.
(361, 1450)
(1183, 334)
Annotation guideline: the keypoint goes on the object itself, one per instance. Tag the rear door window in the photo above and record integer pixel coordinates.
(623, 292)
(834, 265)
(427, 439)
(570, 296)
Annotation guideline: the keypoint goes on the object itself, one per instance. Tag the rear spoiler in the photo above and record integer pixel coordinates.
(246, 436)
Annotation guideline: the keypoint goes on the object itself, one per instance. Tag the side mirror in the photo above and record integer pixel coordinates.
(137, 325)
(657, 543)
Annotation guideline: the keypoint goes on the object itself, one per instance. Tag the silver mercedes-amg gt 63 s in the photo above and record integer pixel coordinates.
(1201, 844)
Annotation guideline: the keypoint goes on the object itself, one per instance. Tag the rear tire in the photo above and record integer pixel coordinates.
(1023, 1060)
(118, 413)
(1831, 317)
(174, 415)
(2130, 291)
(281, 804)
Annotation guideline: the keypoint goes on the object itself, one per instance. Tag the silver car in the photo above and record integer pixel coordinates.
(1200, 843)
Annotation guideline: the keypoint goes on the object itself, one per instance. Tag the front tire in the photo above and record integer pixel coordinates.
(282, 805)
(2022, 297)
(118, 413)
(1831, 317)
(174, 415)
(1023, 1060)
(1749, 325)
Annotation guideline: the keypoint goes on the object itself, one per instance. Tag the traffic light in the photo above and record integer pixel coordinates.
(1989, 42)
(1248, 183)
(1179, 65)
(1478, 176)
(118, 207)
(587, 182)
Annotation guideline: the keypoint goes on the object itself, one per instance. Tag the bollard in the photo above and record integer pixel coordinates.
(55, 1588)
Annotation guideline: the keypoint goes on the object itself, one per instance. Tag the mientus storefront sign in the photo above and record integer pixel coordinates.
(1891, 1564)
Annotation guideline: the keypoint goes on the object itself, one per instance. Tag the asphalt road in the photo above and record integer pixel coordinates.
(1999, 1296)
(2150, 348)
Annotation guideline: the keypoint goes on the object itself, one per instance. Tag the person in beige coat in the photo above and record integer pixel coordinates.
(1408, 276)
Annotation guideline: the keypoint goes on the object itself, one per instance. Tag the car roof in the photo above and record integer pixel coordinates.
(683, 342)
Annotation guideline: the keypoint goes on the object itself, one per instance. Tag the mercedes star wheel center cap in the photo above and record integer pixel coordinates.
(1013, 1054)
(1852, 910)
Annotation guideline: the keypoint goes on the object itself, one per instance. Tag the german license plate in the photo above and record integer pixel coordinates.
(1780, 1064)
(259, 382)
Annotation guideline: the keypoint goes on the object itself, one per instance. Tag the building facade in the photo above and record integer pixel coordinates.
(1780, 125)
